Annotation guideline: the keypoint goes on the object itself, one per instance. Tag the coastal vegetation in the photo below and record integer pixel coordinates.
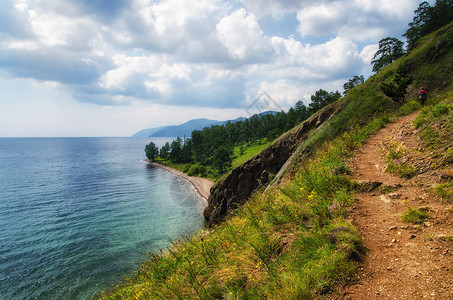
(239, 140)
(202, 148)
(294, 241)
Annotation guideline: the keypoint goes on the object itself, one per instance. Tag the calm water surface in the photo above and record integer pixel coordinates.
(77, 214)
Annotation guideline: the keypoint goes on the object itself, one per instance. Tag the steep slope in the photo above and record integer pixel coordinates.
(362, 103)
(295, 241)
(242, 181)
(404, 260)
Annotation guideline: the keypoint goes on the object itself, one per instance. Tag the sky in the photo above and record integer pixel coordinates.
(114, 67)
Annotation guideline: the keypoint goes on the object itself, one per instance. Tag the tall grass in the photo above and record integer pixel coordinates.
(292, 242)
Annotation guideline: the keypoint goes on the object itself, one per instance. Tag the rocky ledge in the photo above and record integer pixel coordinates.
(235, 189)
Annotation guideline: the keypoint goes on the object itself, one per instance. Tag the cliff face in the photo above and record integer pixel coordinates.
(239, 185)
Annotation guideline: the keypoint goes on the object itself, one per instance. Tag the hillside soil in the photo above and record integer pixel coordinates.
(401, 260)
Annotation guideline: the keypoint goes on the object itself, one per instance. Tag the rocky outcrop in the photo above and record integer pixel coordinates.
(240, 184)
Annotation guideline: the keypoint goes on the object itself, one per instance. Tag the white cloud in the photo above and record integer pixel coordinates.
(242, 36)
(275, 8)
(207, 54)
(307, 63)
(368, 52)
(360, 20)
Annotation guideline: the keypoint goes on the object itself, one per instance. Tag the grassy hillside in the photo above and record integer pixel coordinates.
(294, 241)
(239, 157)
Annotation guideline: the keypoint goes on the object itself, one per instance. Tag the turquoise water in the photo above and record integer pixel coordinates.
(77, 214)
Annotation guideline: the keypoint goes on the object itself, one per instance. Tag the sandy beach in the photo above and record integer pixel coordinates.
(201, 185)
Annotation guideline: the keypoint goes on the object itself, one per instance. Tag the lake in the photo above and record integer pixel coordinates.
(78, 214)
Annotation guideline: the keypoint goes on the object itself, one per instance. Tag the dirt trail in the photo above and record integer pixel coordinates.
(402, 260)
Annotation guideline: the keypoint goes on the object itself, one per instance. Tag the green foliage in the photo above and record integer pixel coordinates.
(164, 151)
(291, 242)
(428, 19)
(197, 170)
(445, 191)
(273, 134)
(395, 152)
(356, 80)
(390, 49)
(415, 215)
(397, 88)
(221, 159)
(176, 150)
(322, 98)
(247, 152)
(202, 147)
(151, 151)
(435, 124)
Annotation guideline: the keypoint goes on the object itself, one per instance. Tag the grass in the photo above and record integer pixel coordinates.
(415, 216)
(294, 241)
(248, 152)
(445, 191)
(395, 152)
(435, 124)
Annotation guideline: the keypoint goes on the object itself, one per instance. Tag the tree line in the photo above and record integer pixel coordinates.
(213, 146)
(427, 19)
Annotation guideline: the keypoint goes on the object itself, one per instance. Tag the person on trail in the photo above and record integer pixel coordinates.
(422, 95)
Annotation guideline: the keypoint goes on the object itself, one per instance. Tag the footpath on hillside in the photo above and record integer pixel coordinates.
(401, 260)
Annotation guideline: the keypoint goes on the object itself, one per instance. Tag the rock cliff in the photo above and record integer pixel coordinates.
(239, 185)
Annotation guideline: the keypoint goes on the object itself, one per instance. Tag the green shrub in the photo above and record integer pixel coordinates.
(440, 109)
(415, 215)
(197, 170)
(445, 191)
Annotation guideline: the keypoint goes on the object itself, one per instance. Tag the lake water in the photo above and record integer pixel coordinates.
(77, 214)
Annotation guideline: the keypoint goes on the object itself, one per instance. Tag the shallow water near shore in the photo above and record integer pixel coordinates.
(77, 214)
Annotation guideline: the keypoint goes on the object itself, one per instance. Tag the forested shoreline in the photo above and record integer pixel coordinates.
(210, 151)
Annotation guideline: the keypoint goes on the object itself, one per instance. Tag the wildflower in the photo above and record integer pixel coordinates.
(312, 195)
(334, 207)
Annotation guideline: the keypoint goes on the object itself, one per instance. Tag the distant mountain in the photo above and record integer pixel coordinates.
(147, 132)
(186, 129)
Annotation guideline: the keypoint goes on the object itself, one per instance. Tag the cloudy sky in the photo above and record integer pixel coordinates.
(113, 67)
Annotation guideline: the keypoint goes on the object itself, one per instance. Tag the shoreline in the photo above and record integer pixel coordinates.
(201, 185)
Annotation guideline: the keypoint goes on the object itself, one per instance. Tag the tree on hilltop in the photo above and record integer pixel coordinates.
(322, 98)
(428, 19)
(390, 49)
(356, 80)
